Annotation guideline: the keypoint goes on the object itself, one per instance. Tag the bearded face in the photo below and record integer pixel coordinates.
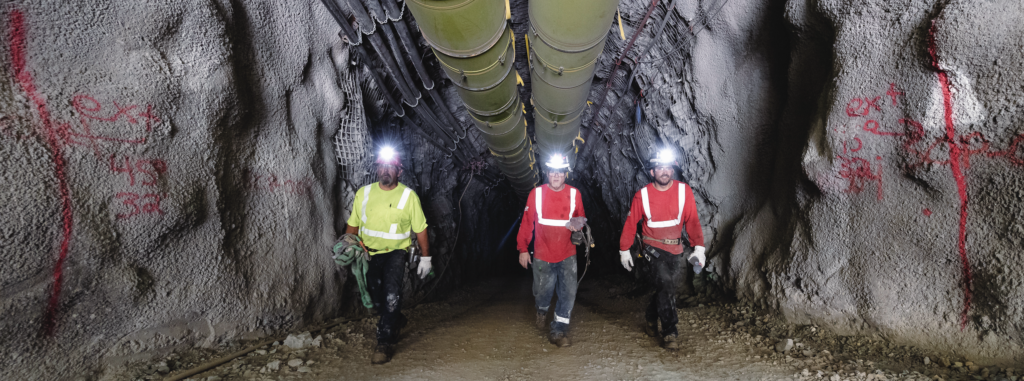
(388, 174)
(663, 175)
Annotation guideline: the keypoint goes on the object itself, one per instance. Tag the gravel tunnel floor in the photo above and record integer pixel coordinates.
(486, 332)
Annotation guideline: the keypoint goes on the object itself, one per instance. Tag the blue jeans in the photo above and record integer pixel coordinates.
(549, 278)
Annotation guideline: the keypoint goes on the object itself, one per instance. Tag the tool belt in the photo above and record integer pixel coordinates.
(664, 241)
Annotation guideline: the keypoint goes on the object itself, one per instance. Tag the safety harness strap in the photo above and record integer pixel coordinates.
(540, 211)
(663, 224)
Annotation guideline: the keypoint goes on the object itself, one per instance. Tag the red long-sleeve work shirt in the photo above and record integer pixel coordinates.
(552, 242)
(663, 209)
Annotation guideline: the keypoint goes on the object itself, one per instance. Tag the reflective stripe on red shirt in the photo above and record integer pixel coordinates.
(550, 240)
(664, 209)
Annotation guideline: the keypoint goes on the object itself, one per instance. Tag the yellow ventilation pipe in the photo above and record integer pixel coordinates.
(566, 37)
(476, 49)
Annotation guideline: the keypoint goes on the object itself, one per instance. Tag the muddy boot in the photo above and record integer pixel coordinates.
(540, 322)
(670, 342)
(560, 340)
(651, 329)
(382, 354)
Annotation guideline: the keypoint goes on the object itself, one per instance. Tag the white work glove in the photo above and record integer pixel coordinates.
(697, 259)
(424, 267)
(627, 259)
(576, 223)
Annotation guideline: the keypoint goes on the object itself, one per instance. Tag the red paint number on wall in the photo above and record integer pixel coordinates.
(148, 203)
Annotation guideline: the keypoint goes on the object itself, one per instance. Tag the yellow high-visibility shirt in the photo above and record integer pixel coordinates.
(386, 219)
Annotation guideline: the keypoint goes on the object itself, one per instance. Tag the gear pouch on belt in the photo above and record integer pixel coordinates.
(576, 238)
(651, 253)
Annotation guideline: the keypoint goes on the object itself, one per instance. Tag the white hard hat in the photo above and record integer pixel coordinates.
(558, 161)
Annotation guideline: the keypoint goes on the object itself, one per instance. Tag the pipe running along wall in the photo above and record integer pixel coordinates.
(565, 39)
(476, 49)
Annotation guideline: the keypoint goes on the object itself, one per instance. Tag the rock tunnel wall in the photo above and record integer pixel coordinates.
(856, 165)
(171, 181)
(908, 202)
(169, 178)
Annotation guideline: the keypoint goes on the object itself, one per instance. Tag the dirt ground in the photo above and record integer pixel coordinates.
(486, 332)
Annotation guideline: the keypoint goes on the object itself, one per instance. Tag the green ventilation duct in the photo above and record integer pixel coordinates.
(565, 39)
(476, 49)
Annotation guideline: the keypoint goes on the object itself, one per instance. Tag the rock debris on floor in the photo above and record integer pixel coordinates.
(486, 332)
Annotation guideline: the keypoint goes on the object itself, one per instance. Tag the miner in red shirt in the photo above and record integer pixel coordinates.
(549, 210)
(663, 208)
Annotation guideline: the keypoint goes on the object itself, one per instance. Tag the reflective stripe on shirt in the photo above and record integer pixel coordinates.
(663, 224)
(544, 221)
(393, 234)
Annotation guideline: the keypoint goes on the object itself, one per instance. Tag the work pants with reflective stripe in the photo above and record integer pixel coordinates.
(555, 278)
(664, 271)
(384, 281)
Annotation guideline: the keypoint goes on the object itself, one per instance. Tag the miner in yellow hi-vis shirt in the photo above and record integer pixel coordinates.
(384, 216)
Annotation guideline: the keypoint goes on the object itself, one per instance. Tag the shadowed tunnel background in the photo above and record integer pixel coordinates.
(175, 174)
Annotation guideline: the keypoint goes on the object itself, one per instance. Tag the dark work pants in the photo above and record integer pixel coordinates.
(664, 271)
(384, 281)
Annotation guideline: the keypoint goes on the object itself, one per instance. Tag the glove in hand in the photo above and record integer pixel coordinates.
(697, 259)
(627, 259)
(424, 268)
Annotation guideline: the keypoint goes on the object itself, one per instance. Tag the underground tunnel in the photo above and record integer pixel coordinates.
(179, 179)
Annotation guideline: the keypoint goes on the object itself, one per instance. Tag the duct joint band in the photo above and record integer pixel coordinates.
(561, 69)
(508, 70)
(490, 123)
(541, 77)
(538, 105)
(563, 122)
(500, 110)
(467, 53)
(501, 60)
(540, 35)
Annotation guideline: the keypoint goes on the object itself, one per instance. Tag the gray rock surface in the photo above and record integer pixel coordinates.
(908, 202)
(171, 167)
(784, 345)
(797, 125)
(182, 151)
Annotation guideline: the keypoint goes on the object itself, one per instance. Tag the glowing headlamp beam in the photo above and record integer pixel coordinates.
(387, 153)
(665, 156)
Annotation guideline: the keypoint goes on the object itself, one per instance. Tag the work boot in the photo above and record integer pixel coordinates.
(670, 342)
(560, 340)
(382, 354)
(540, 322)
(651, 329)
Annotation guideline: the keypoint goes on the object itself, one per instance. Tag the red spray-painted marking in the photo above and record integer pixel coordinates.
(954, 161)
(24, 78)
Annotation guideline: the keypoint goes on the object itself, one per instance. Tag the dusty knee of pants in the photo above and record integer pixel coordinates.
(393, 302)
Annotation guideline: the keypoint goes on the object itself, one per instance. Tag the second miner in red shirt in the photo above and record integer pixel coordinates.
(549, 210)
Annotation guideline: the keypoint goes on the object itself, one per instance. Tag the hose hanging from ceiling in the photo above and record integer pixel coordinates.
(396, 67)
